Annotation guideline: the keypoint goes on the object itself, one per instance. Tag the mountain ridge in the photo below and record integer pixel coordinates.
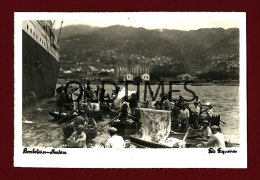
(195, 49)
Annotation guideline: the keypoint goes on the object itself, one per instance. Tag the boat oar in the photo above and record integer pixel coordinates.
(222, 122)
(107, 123)
(54, 129)
(184, 138)
(115, 113)
(92, 124)
(186, 134)
(198, 134)
(69, 114)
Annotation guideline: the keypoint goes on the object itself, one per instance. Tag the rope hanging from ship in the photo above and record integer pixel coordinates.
(59, 32)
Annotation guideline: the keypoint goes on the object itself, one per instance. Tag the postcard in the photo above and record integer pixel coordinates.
(130, 90)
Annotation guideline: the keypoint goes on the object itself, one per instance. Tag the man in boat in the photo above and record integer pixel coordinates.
(157, 104)
(210, 111)
(96, 92)
(74, 91)
(217, 139)
(102, 95)
(114, 141)
(180, 101)
(184, 118)
(61, 98)
(77, 138)
(199, 102)
(175, 116)
(125, 119)
(79, 121)
(133, 103)
(207, 134)
(149, 102)
(166, 103)
(196, 115)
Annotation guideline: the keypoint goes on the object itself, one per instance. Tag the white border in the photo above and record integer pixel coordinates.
(131, 158)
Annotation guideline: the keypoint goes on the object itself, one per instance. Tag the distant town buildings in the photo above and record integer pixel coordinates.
(131, 72)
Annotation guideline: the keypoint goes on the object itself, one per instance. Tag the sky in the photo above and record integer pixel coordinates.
(151, 20)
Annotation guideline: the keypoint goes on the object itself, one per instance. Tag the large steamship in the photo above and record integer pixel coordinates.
(40, 60)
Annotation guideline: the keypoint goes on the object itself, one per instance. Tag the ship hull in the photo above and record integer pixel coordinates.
(40, 71)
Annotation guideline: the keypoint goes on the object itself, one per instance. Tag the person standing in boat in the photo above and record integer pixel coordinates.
(124, 117)
(166, 103)
(217, 139)
(180, 102)
(184, 118)
(157, 104)
(175, 116)
(149, 101)
(97, 91)
(133, 103)
(209, 111)
(77, 138)
(196, 114)
(114, 141)
(61, 98)
(199, 102)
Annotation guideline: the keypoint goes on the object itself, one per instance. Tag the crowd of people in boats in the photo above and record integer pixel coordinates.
(185, 115)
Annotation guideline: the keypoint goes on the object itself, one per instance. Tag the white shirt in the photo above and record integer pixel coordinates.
(217, 140)
(115, 142)
(184, 114)
(75, 94)
(210, 112)
(197, 110)
(207, 132)
(79, 139)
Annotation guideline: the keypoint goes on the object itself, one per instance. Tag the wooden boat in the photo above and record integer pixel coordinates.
(97, 115)
(125, 129)
(191, 142)
(140, 143)
(61, 118)
(64, 117)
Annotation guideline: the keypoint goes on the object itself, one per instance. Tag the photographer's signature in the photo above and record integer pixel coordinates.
(219, 150)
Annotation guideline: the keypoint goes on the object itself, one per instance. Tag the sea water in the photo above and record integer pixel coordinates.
(224, 99)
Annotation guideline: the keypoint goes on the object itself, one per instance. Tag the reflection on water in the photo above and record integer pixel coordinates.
(224, 99)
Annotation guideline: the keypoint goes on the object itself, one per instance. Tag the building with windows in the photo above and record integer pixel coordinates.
(135, 71)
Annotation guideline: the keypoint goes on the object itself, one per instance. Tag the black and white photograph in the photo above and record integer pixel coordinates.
(130, 90)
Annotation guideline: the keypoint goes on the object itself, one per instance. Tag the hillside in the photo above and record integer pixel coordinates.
(184, 51)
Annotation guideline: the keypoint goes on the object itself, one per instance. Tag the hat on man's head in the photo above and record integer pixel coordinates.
(214, 127)
(81, 127)
(112, 129)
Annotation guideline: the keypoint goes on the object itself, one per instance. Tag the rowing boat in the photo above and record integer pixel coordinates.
(64, 117)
